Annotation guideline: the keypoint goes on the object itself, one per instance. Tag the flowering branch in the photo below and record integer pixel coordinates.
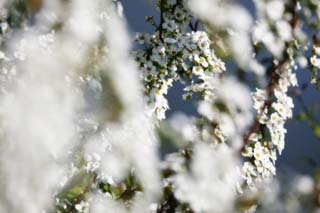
(260, 145)
(87, 128)
(273, 82)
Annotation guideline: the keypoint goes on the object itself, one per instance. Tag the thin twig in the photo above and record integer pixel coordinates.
(191, 26)
(196, 25)
(161, 20)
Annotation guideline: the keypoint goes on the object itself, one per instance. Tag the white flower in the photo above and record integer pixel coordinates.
(156, 57)
(255, 137)
(201, 60)
(199, 36)
(82, 207)
(263, 117)
(274, 118)
(218, 132)
(170, 25)
(196, 57)
(2, 55)
(304, 185)
(211, 170)
(172, 2)
(273, 155)
(259, 106)
(93, 162)
(204, 45)
(317, 50)
(161, 111)
(280, 109)
(284, 84)
(197, 70)
(179, 14)
(161, 103)
(46, 39)
(217, 65)
(259, 98)
(277, 136)
(275, 9)
(293, 79)
(161, 51)
(247, 152)
(208, 95)
(284, 30)
(258, 151)
(142, 38)
(259, 166)
(315, 61)
(248, 170)
(4, 27)
(170, 40)
(204, 62)
(151, 69)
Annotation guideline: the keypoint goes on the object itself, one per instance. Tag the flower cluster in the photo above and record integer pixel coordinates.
(315, 59)
(210, 164)
(274, 35)
(172, 53)
(262, 145)
(223, 18)
(93, 162)
(228, 114)
(315, 62)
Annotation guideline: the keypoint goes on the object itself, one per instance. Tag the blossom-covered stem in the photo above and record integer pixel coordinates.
(273, 79)
(314, 60)
(270, 88)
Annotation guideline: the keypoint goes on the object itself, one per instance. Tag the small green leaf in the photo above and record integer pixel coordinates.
(316, 130)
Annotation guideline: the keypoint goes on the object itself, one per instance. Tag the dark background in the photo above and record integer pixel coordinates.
(302, 146)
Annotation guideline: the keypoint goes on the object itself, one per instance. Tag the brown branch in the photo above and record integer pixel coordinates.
(161, 20)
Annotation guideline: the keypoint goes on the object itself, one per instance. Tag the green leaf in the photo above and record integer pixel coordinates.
(75, 190)
(316, 131)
